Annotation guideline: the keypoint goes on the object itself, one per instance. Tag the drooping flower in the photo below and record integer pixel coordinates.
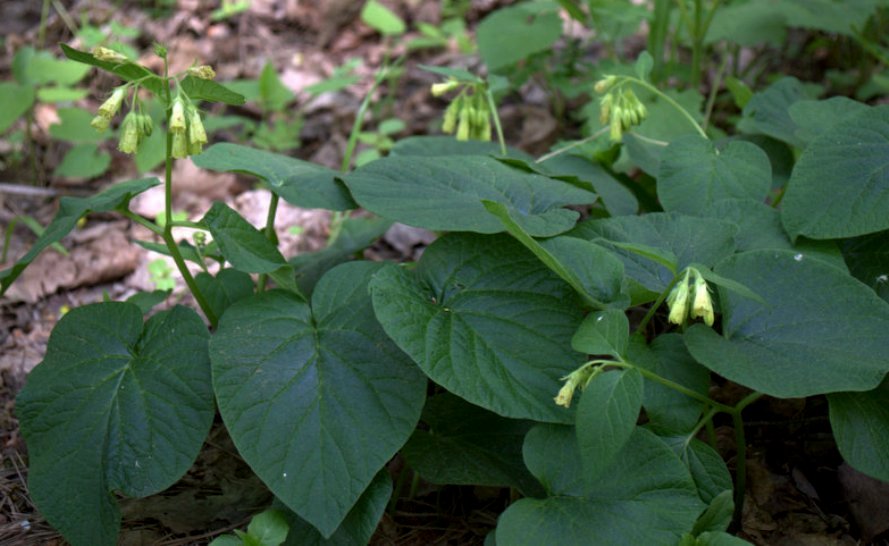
(204, 72)
(177, 117)
(109, 55)
(112, 104)
(702, 304)
(130, 135)
(678, 301)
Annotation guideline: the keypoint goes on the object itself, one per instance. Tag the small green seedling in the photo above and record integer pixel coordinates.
(267, 528)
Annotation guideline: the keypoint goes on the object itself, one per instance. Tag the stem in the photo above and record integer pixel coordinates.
(697, 43)
(714, 90)
(7, 238)
(493, 107)
(648, 374)
(670, 101)
(168, 209)
(573, 145)
(657, 303)
(740, 467)
(270, 234)
(154, 228)
(41, 33)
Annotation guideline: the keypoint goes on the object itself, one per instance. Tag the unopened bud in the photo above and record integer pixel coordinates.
(196, 132)
(146, 125)
(100, 123)
(605, 84)
(129, 134)
(439, 89)
(204, 72)
(177, 117)
(678, 301)
(450, 116)
(180, 145)
(109, 55)
(702, 305)
(112, 103)
(464, 127)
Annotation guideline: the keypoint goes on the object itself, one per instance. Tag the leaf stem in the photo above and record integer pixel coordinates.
(573, 145)
(499, 128)
(675, 386)
(270, 235)
(154, 228)
(657, 303)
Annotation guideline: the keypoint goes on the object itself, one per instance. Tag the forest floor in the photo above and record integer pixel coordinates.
(809, 498)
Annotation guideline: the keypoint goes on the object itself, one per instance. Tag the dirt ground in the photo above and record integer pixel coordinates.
(799, 490)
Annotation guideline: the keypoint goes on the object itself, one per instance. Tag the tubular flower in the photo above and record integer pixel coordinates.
(678, 301)
(702, 304)
(196, 133)
(177, 118)
(130, 135)
(465, 124)
(451, 114)
(566, 393)
(100, 123)
(108, 55)
(439, 89)
(204, 72)
(180, 145)
(605, 84)
(112, 104)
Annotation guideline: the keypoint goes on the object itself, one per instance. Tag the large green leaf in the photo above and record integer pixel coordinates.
(768, 112)
(706, 466)
(245, 247)
(359, 525)
(510, 34)
(603, 333)
(467, 445)
(16, 100)
(70, 211)
(816, 117)
(606, 418)
(694, 174)
(486, 320)
(446, 193)
(617, 199)
(689, 239)
(437, 146)
(645, 497)
(226, 288)
(298, 182)
(834, 16)
(820, 330)
(748, 24)
(860, 422)
(840, 185)
(128, 71)
(74, 126)
(594, 272)
(667, 409)
(38, 68)
(314, 395)
(115, 406)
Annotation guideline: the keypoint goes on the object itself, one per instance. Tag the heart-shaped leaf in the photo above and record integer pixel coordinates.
(603, 333)
(510, 34)
(298, 182)
(606, 418)
(466, 445)
(114, 407)
(706, 466)
(227, 287)
(840, 185)
(315, 397)
(446, 193)
(819, 331)
(860, 422)
(359, 525)
(694, 174)
(645, 497)
(487, 321)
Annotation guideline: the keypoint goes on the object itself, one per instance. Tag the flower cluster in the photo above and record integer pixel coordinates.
(188, 131)
(690, 298)
(468, 114)
(620, 108)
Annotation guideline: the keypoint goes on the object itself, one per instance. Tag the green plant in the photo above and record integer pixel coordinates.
(570, 356)
(267, 528)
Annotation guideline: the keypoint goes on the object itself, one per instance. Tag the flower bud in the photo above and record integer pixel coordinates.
(112, 103)
(605, 84)
(204, 72)
(180, 145)
(702, 305)
(450, 116)
(108, 55)
(146, 125)
(464, 127)
(605, 108)
(196, 132)
(616, 132)
(100, 123)
(678, 301)
(177, 118)
(439, 89)
(129, 134)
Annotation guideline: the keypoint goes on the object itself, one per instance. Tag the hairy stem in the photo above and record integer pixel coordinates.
(270, 234)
